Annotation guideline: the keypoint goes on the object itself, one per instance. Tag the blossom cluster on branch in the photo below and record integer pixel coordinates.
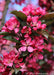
(25, 29)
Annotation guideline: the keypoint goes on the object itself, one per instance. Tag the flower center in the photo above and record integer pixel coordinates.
(35, 24)
(27, 45)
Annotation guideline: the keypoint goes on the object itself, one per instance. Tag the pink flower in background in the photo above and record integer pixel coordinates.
(48, 47)
(2, 5)
(45, 4)
(29, 19)
(38, 42)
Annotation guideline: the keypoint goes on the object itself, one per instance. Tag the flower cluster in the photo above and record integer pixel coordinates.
(32, 10)
(10, 59)
(30, 43)
(11, 25)
(47, 4)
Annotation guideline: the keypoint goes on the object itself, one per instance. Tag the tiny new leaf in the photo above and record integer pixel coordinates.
(17, 70)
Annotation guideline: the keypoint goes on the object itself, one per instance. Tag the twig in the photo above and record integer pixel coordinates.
(4, 14)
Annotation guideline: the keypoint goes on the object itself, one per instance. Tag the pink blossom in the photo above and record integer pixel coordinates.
(43, 26)
(2, 66)
(18, 62)
(27, 45)
(12, 24)
(23, 68)
(48, 47)
(9, 58)
(29, 19)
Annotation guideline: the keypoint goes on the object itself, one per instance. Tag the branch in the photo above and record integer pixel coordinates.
(4, 14)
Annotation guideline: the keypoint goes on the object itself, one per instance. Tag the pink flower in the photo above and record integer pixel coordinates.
(31, 62)
(2, 67)
(40, 11)
(16, 30)
(23, 68)
(39, 43)
(18, 62)
(9, 58)
(40, 56)
(12, 24)
(37, 24)
(48, 47)
(27, 45)
(45, 4)
(29, 19)
(26, 10)
(6, 72)
(43, 26)
(35, 19)
(5, 29)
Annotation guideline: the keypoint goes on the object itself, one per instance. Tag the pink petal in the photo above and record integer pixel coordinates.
(16, 30)
(30, 49)
(23, 48)
(10, 64)
(28, 40)
(31, 43)
(23, 42)
(40, 56)
(26, 35)
(34, 28)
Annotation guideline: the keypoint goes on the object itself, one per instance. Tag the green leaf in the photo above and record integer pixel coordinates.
(44, 33)
(41, 62)
(50, 22)
(48, 16)
(16, 70)
(4, 33)
(10, 38)
(19, 14)
(7, 33)
(24, 53)
(23, 23)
